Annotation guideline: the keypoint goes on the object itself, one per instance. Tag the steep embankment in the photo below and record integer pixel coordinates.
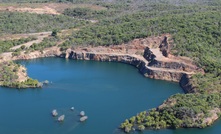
(135, 60)
(143, 54)
(150, 55)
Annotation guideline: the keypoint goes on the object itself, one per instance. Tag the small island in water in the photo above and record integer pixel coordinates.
(177, 41)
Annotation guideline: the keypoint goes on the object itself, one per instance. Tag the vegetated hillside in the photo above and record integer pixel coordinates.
(15, 22)
(180, 110)
(6, 45)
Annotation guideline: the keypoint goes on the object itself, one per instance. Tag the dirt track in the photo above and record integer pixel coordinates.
(18, 36)
(28, 44)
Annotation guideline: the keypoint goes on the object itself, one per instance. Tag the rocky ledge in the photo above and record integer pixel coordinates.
(149, 55)
(135, 60)
(152, 59)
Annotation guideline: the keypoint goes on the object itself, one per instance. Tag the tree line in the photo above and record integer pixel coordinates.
(16, 22)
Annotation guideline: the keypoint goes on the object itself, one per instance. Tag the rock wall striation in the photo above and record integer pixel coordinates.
(139, 62)
(150, 59)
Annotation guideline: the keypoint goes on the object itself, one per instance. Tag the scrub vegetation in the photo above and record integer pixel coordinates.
(17, 22)
(7, 44)
(9, 76)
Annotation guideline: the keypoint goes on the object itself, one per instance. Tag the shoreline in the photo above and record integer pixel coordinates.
(151, 56)
(138, 61)
(174, 75)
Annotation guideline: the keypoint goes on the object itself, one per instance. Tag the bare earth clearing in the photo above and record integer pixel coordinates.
(45, 8)
(26, 35)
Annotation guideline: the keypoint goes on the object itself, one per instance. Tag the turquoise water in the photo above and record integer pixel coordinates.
(107, 92)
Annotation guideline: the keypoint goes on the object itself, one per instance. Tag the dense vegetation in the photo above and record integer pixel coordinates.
(47, 42)
(15, 22)
(87, 13)
(9, 76)
(7, 44)
(8, 70)
(181, 110)
(195, 27)
(195, 34)
(207, 83)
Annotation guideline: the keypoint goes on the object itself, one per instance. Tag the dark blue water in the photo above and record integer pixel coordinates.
(107, 92)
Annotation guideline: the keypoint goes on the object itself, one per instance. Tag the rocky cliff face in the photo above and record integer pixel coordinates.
(172, 65)
(186, 84)
(146, 54)
(164, 47)
(142, 65)
(177, 65)
(163, 75)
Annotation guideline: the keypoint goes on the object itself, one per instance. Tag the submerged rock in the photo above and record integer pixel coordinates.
(82, 113)
(61, 118)
(84, 118)
(46, 82)
(40, 84)
(54, 112)
(127, 129)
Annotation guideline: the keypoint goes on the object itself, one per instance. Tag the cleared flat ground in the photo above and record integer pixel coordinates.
(45, 8)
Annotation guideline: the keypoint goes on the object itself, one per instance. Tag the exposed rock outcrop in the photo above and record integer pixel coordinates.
(52, 52)
(186, 84)
(172, 65)
(146, 54)
(139, 62)
(164, 47)
(214, 116)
